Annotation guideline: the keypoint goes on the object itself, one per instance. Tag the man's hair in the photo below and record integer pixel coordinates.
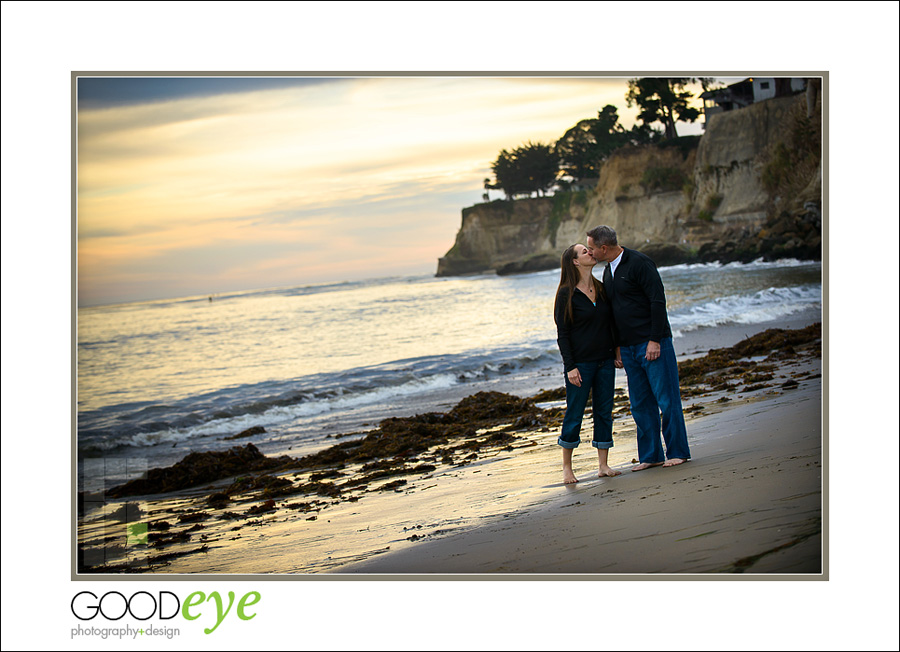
(603, 235)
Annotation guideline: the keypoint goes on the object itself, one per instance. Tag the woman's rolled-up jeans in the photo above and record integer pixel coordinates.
(599, 378)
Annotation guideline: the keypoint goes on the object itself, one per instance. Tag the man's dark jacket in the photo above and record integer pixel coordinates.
(638, 300)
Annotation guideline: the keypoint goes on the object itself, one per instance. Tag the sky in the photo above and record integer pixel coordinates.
(198, 185)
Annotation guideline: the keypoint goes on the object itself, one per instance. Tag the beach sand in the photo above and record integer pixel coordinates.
(749, 503)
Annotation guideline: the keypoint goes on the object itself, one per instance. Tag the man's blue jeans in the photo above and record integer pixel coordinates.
(653, 389)
(599, 378)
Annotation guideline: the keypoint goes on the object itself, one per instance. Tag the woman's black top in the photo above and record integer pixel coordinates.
(589, 336)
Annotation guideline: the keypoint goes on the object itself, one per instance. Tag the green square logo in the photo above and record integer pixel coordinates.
(137, 534)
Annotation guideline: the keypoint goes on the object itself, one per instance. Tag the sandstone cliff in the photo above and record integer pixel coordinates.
(751, 187)
(515, 236)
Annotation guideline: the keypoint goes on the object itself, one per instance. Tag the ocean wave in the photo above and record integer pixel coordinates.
(278, 415)
(762, 306)
(274, 405)
(759, 263)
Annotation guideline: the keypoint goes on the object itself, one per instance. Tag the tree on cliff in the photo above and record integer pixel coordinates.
(585, 146)
(531, 168)
(662, 99)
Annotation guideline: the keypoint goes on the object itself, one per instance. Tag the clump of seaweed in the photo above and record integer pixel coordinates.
(268, 485)
(262, 508)
(249, 432)
(548, 395)
(724, 369)
(321, 488)
(406, 437)
(218, 500)
(193, 517)
(201, 468)
(386, 469)
(391, 486)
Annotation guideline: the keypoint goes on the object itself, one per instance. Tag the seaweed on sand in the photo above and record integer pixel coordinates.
(395, 440)
(262, 508)
(268, 485)
(548, 395)
(719, 366)
(201, 468)
(405, 437)
(249, 432)
(386, 469)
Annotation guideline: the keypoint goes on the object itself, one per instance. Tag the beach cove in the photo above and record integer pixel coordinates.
(492, 505)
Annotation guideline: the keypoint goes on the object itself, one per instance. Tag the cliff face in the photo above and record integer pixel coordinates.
(638, 213)
(515, 236)
(732, 155)
(706, 203)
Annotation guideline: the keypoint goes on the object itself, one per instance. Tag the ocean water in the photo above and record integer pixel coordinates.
(159, 379)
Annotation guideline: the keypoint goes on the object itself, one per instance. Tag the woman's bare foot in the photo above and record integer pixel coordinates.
(644, 465)
(568, 476)
(607, 472)
(675, 461)
(603, 463)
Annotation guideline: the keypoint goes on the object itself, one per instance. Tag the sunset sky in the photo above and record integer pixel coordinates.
(200, 185)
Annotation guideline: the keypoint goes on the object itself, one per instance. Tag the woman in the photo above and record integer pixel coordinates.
(590, 356)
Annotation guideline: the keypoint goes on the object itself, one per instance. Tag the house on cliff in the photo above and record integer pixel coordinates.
(583, 184)
(749, 91)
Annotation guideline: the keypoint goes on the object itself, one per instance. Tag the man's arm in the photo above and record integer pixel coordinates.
(652, 285)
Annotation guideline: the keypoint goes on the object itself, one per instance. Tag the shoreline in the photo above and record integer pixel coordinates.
(691, 343)
(354, 522)
(321, 430)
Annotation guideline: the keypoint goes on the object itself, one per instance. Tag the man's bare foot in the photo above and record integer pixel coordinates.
(607, 472)
(644, 465)
(675, 461)
(569, 477)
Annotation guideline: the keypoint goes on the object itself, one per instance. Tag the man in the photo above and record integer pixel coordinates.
(635, 289)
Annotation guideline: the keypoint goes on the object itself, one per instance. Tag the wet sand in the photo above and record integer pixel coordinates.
(750, 501)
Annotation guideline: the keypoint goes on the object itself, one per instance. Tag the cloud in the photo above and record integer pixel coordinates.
(108, 92)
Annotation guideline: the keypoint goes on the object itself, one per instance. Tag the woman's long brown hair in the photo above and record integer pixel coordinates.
(569, 277)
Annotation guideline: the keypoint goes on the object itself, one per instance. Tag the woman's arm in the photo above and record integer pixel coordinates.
(563, 330)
